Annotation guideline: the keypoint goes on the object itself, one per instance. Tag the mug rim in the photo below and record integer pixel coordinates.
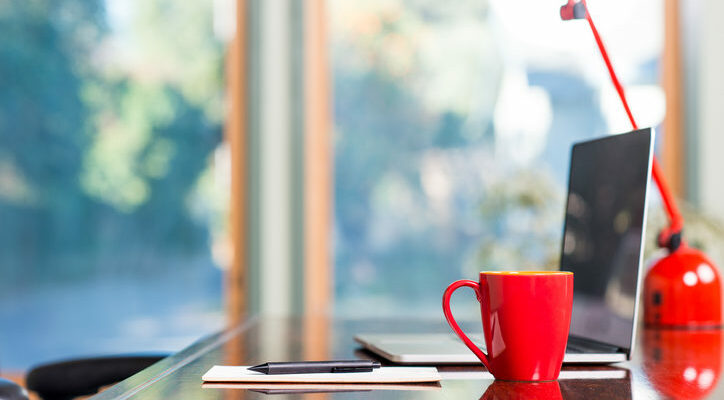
(526, 273)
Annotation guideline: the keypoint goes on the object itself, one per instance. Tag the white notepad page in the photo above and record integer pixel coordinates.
(223, 373)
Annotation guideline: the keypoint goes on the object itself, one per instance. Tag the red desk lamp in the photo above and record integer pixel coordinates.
(683, 288)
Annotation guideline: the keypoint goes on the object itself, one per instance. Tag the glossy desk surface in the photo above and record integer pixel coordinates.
(667, 364)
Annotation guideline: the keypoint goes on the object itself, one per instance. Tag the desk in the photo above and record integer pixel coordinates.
(667, 364)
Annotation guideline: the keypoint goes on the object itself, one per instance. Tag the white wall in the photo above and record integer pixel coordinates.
(704, 63)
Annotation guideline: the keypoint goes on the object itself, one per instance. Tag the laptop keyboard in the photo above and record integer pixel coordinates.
(578, 345)
(573, 348)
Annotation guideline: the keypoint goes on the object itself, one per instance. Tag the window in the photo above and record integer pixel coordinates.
(113, 177)
(453, 124)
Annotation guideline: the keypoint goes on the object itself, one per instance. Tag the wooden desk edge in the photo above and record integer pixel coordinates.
(138, 382)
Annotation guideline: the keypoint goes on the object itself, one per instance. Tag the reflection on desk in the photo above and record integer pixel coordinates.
(683, 364)
(669, 364)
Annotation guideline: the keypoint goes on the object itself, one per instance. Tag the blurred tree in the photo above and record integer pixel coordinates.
(104, 134)
(386, 123)
(43, 46)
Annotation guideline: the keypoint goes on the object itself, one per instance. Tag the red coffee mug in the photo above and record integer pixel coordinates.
(526, 317)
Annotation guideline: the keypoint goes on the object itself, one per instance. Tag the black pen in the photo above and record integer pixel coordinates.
(315, 367)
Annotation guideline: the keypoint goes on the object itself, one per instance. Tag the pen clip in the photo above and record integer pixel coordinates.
(351, 369)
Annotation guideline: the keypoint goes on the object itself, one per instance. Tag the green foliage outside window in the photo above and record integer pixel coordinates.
(107, 125)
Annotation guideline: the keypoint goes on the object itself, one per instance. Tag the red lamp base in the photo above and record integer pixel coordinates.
(683, 290)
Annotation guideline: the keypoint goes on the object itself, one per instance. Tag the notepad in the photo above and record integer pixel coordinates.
(224, 373)
(292, 388)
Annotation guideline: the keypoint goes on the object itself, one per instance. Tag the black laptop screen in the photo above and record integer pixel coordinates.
(603, 233)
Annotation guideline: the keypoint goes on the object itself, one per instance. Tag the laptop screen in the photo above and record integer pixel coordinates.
(603, 233)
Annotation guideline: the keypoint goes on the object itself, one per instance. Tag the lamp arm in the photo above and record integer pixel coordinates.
(670, 236)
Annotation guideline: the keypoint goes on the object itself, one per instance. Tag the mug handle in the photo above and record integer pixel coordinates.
(454, 325)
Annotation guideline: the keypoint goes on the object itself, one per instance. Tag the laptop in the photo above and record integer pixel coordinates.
(603, 243)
